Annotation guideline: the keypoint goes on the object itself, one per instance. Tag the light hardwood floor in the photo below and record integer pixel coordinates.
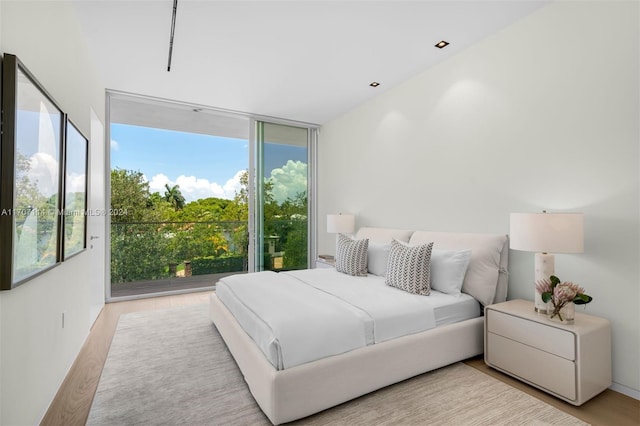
(72, 403)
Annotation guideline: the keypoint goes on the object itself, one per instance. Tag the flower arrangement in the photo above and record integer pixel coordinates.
(561, 293)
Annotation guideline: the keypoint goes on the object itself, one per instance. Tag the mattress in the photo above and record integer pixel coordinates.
(316, 313)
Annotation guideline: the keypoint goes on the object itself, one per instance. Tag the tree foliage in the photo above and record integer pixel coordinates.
(138, 241)
(130, 197)
(162, 229)
(174, 197)
(27, 194)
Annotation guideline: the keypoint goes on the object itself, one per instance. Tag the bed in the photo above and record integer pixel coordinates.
(366, 346)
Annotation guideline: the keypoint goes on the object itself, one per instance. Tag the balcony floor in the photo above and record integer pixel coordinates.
(168, 284)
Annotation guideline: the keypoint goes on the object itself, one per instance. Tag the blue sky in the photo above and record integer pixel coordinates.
(203, 166)
(154, 151)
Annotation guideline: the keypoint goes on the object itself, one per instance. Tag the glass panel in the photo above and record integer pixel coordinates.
(75, 199)
(174, 224)
(179, 197)
(282, 209)
(37, 174)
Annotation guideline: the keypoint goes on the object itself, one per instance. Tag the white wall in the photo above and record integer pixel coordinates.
(36, 352)
(542, 115)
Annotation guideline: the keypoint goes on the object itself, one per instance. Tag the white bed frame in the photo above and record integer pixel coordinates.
(293, 393)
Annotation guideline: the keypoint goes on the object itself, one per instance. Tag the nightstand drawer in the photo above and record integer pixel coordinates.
(553, 373)
(537, 335)
(572, 362)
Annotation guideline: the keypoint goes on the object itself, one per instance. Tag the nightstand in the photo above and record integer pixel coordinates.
(325, 262)
(571, 362)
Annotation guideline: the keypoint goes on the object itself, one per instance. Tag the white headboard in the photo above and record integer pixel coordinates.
(486, 278)
(384, 235)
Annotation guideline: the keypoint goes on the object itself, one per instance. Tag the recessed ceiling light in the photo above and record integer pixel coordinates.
(442, 44)
(374, 84)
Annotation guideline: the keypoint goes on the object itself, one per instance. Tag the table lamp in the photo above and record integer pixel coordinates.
(546, 233)
(340, 223)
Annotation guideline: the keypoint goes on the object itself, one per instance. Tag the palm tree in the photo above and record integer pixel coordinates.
(174, 196)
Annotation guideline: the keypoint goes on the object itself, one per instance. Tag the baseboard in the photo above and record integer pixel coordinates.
(633, 393)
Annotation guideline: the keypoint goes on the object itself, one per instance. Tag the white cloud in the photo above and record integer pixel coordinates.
(289, 180)
(75, 182)
(114, 145)
(233, 185)
(44, 173)
(156, 184)
(194, 188)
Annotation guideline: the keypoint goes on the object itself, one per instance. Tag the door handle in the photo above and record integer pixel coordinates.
(94, 237)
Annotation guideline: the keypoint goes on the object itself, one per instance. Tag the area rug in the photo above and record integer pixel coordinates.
(171, 367)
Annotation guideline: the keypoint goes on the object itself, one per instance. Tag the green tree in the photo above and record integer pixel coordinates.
(130, 198)
(295, 247)
(198, 231)
(74, 221)
(157, 230)
(238, 210)
(27, 194)
(174, 197)
(202, 210)
(295, 207)
(295, 231)
(237, 213)
(139, 241)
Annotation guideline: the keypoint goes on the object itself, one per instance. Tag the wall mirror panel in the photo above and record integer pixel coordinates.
(75, 195)
(30, 191)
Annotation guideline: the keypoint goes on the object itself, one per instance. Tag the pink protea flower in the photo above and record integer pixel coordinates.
(561, 293)
(566, 292)
(543, 286)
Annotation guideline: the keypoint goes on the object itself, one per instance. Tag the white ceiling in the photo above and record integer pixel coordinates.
(300, 60)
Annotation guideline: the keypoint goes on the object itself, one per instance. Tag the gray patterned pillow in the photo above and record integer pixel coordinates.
(409, 267)
(351, 256)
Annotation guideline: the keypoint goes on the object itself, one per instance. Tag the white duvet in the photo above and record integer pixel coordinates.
(394, 312)
(301, 316)
(290, 321)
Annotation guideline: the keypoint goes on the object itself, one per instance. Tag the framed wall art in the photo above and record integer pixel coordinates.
(31, 181)
(74, 229)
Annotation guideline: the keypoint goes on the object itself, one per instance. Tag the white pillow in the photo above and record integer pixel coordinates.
(377, 258)
(448, 268)
(482, 277)
(408, 267)
(351, 256)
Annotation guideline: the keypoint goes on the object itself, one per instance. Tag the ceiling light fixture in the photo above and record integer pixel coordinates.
(374, 84)
(173, 30)
(442, 44)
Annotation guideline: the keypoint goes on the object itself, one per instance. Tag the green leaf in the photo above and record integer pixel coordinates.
(554, 280)
(582, 299)
(546, 296)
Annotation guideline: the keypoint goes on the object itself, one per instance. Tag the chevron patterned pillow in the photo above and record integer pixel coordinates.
(351, 256)
(408, 267)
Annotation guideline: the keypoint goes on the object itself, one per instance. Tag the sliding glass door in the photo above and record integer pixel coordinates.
(197, 194)
(284, 160)
(178, 192)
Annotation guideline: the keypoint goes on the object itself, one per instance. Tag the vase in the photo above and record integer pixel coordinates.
(564, 314)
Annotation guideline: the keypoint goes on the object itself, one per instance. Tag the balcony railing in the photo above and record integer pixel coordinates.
(151, 257)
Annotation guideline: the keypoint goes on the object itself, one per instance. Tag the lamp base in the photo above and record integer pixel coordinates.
(538, 305)
(544, 267)
(541, 310)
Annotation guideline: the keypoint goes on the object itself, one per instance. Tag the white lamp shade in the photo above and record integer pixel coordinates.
(340, 223)
(547, 232)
